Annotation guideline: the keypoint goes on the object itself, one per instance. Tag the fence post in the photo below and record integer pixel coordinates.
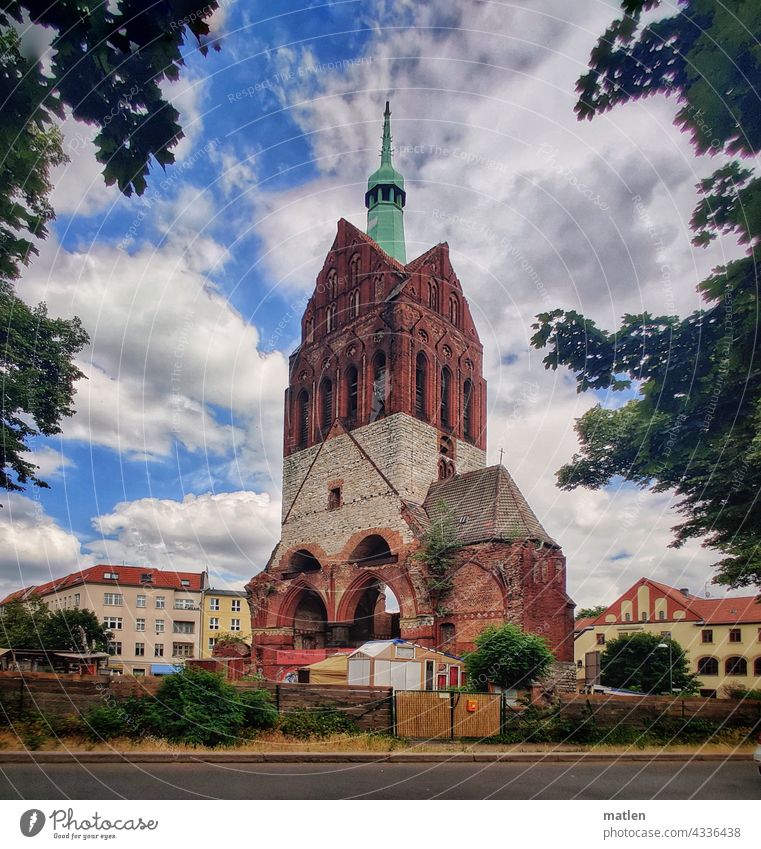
(451, 716)
(277, 697)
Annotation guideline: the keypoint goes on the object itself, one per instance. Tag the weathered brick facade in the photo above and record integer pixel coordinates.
(385, 432)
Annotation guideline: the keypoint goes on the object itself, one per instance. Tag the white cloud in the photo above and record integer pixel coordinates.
(231, 534)
(170, 359)
(35, 547)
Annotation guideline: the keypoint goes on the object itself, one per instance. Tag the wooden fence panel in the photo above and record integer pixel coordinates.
(423, 714)
(477, 714)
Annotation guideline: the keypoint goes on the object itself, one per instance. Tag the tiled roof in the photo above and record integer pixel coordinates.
(728, 611)
(587, 622)
(485, 504)
(127, 576)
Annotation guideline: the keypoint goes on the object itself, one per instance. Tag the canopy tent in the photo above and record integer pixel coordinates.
(332, 670)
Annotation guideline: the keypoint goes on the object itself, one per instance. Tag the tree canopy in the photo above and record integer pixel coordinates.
(590, 612)
(508, 657)
(108, 63)
(641, 661)
(31, 625)
(695, 427)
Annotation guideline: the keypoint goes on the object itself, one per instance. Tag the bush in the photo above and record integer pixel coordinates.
(258, 710)
(196, 707)
(125, 718)
(305, 724)
(508, 657)
(739, 692)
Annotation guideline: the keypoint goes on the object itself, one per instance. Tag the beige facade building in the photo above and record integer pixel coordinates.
(154, 616)
(722, 637)
(225, 612)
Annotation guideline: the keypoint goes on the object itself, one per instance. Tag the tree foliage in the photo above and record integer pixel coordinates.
(438, 551)
(31, 625)
(108, 63)
(508, 657)
(637, 662)
(695, 427)
(590, 612)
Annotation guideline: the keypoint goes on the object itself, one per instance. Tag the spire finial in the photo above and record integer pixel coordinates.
(386, 149)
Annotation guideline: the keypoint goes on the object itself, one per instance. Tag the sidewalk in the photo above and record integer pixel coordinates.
(222, 757)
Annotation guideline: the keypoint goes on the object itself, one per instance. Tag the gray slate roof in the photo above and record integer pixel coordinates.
(486, 505)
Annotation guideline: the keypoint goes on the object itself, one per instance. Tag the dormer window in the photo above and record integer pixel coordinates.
(146, 578)
(111, 576)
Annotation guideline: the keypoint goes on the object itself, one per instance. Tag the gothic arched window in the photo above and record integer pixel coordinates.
(303, 418)
(454, 310)
(354, 270)
(421, 379)
(352, 393)
(446, 397)
(330, 318)
(433, 296)
(354, 303)
(332, 284)
(309, 329)
(379, 386)
(326, 405)
(467, 409)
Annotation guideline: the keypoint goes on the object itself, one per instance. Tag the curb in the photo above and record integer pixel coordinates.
(22, 757)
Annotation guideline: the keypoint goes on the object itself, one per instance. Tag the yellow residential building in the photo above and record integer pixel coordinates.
(722, 637)
(224, 612)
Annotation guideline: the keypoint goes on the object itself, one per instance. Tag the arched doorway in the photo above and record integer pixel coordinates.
(376, 615)
(310, 622)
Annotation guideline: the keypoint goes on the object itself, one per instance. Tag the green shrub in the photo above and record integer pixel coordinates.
(258, 710)
(126, 718)
(305, 724)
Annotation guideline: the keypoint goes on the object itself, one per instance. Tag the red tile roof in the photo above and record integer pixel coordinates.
(128, 576)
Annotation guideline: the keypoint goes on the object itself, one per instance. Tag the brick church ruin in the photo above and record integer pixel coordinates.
(385, 435)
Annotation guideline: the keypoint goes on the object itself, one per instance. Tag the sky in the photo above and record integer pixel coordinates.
(192, 294)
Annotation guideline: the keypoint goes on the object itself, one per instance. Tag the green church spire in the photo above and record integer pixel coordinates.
(385, 199)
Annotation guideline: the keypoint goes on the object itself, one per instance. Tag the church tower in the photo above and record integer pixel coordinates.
(385, 434)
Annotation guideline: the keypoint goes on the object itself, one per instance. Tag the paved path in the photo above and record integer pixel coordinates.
(654, 780)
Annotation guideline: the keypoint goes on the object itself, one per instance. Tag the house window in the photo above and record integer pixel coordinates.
(235, 624)
(643, 617)
(661, 615)
(600, 639)
(139, 649)
(77, 598)
(407, 652)
(708, 666)
(159, 626)
(111, 576)
(735, 635)
(334, 498)
(140, 624)
(185, 582)
(446, 633)
(113, 599)
(213, 604)
(707, 635)
(138, 672)
(160, 602)
(235, 605)
(757, 666)
(141, 601)
(627, 617)
(158, 650)
(736, 666)
(214, 623)
(115, 647)
(182, 649)
(184, 628)
(113, 623)
(666, 634)
(184, 604)
(212, 642)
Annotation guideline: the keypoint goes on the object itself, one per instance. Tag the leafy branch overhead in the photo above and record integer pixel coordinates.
(694, 426)
(107, 64)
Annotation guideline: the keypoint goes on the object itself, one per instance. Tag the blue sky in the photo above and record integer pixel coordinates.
(192, 295)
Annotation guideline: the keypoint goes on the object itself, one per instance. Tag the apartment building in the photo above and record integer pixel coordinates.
(224, 612)
(154, 616)
(721, 637)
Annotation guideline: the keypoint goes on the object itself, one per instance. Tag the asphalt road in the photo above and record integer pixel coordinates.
(696, 780)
